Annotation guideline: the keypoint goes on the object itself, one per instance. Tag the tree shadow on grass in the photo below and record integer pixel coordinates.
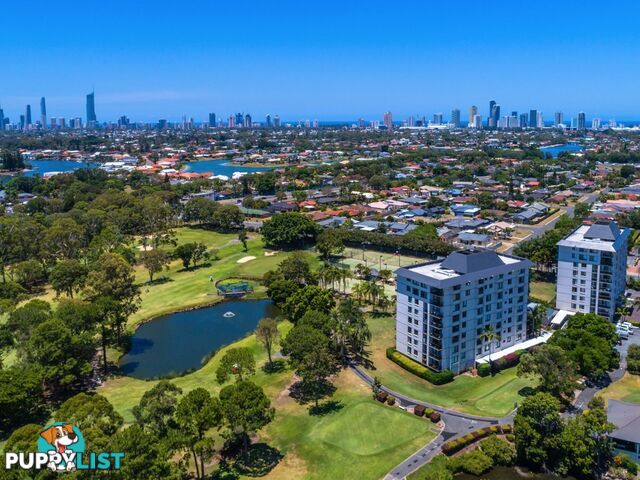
(326, 408)
(527, 391)
(159, 281)
(259, 460)
(274, 367)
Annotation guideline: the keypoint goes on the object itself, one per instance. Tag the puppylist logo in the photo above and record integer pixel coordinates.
(61, 448)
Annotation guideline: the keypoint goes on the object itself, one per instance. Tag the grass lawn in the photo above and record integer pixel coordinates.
(544, 291)
(626, 389)
(489, 396)
(362, 439)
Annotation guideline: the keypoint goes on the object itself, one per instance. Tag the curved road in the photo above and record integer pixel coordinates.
(456, 424)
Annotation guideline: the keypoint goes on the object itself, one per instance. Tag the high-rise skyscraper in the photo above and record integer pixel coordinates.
(276, 121)
(473, 111)
(91, 110)
(28, 116)
(239, 119)
(540, 120)
(388, 120)
(43, 112)
(455, 118)
(212, 120)
(269, 124)
(437, 119)
(524, 120)
(592, 269)
(533, 118)
(558, 119)
(444, 307)
(595, 123)
(247, 121)
(23, 123)
(232, 121)
(1, 119)
(491, 119)
(582, 121)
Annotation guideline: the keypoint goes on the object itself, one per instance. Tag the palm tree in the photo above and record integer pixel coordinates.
(360, 291)
(622, 311)
(490, 336)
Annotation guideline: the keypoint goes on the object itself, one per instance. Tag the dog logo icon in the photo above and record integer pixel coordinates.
(63, 442)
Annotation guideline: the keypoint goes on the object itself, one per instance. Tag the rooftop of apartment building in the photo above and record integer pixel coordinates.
(464, 263)
(598, 236)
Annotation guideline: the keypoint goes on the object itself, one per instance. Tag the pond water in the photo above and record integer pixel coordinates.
(506, 473)
(175, 343)
(558, 149)
(40, 167)
(222, 167)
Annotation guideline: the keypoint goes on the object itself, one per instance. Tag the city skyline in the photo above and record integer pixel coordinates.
(337, 62)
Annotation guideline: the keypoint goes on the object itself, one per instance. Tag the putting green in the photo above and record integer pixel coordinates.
(367, 429)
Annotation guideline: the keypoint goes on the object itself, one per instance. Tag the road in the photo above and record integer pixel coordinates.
(456, 424)
(539, 230)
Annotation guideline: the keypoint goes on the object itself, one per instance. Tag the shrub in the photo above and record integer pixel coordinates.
(633, 359)
(419, 410)
(391, 400)
(484, 370)
(428, 412)
(500, 452)
(453, 446)
(381, 396)
(475, 463)
(625, 462)
(435, 417)
(506, 428)
(437, 378)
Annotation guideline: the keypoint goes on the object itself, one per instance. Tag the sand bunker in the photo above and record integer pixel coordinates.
(246, 259)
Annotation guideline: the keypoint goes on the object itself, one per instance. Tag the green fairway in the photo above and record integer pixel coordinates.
(363, 440)
(626, 389)
(489, 396)
(180, 289)
(545, 291)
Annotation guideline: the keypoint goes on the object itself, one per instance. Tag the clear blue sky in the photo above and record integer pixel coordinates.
(330, 60)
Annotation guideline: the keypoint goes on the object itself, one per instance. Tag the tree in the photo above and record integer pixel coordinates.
(281, 290)
(537, 429)
(68, 277)
(553, 367)
(11, 160)
(29, 273)
(308, 298)
(23, 320)
(296, 267)
(243, 237)
(246, 409)
(227, 217)
(238, 362)
(154, 261)
(300, 340)
(64, 357)
(65, 238)
(24, 439)
(264, 182)
(500, 451)
(199, 210)
(146, 458)
(328, 244)
(350, 329)
(196, 413)
(585, 442)
(90, 411)
(267, 333)
(535, 318)
(111, 285)
(21, 397)
(317, 365)
(191, 252)
(590, 341)
(489, 336)
(288, 230)
(156, 408)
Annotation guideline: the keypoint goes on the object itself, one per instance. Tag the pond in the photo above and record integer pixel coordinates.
(40, 167)
(223, 167)
(175, 343)
(556, 150)
(506, 473)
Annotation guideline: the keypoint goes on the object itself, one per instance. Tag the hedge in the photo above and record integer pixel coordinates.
(437, 378)
(453, 446)
(419, 410)
(381, 396)
(484, 370)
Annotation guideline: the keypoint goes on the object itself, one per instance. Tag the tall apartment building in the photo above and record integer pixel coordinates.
(592, 269)
(444, 307)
